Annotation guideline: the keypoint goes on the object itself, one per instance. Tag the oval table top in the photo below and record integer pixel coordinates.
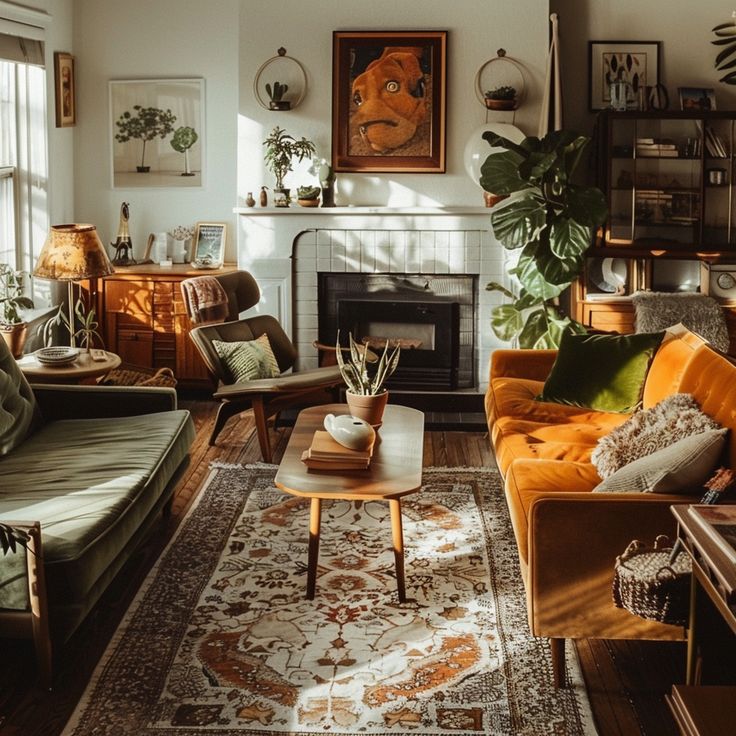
(395, 469)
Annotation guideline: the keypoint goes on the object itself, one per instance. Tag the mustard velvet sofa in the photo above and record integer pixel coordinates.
(567, 537)
(87, 470)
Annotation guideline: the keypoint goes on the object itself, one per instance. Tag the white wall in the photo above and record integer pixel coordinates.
(683, 27)
(139, 39)
(477, 28)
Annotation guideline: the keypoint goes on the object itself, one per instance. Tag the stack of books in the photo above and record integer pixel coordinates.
(326, 454)
(656, 148)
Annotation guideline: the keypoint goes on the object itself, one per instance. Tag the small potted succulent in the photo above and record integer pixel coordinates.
(501, 98)
(365, 394)
(276, 93)
(12, 326)
(308, 196)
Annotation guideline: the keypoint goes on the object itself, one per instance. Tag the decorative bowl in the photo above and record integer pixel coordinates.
(57, 355)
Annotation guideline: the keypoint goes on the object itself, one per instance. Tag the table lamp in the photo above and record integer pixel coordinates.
(72, 253)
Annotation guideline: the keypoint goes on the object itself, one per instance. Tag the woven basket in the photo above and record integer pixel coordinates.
(647, 584)
(135, 375)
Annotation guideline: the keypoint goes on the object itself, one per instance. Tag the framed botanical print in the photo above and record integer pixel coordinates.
(635, 63)
(389, 99)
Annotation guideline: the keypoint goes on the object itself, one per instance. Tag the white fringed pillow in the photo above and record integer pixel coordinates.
(672, 419)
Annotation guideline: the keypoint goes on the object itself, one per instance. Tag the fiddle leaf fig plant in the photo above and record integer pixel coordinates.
(549, 221)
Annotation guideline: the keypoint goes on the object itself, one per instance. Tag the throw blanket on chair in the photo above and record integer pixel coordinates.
(656, 311)
(205, 299)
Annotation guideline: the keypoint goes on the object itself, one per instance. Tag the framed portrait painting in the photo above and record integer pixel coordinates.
(64, 83)
(157, 132)
(389, 101)
(634, 62)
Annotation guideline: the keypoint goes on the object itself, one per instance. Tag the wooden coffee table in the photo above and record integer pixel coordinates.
(78, 371)
(395, 471)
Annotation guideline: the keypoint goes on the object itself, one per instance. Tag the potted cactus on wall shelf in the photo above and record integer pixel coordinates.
(276, 93)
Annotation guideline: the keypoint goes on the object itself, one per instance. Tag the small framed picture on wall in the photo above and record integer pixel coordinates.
(66, 105)
(209, 244)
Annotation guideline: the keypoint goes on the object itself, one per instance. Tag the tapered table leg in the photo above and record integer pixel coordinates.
(315, 517)
(398, 537)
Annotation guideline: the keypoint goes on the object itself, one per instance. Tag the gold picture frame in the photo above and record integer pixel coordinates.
(65, 87)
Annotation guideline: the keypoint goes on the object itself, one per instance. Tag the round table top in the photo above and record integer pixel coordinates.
(82, 367)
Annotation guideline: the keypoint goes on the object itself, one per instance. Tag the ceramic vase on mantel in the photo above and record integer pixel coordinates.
(368, 407)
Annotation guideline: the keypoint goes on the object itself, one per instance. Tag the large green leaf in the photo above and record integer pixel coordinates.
(499, 173)
(554, 270)
(534, 329)
(498, 141)
(568, 239)
(506, 322)
(537, 165)
(531, 278)
(495, 286)
(586, 205)
(520, 219)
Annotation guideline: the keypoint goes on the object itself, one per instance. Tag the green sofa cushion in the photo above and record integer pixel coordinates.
(91, 483)
(603, 372)
(17, 403)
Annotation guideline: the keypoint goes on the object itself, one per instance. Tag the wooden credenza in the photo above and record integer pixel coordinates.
(145, 322)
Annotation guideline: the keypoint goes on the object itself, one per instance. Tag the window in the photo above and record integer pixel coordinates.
(23, 155)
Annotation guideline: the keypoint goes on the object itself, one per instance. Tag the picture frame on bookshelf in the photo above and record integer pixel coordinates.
(634, 62)
(700, 99)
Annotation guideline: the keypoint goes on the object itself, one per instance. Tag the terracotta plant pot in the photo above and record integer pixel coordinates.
(500, 104)
(15, 338)
(308, 202)
(369, 408)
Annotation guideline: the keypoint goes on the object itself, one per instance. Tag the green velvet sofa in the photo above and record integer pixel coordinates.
(86, 470)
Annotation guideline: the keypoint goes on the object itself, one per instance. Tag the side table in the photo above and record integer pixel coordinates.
(82, 369)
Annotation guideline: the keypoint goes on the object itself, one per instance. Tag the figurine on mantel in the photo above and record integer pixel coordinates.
(264, 197)
(123, 245)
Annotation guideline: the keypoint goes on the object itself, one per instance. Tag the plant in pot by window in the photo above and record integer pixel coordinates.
(146, 124)
(308, 196)
(549, 221)
(366, 394)
(12, 325)
(501, 98)
(182, 140)
(281, 149)
(276, 93)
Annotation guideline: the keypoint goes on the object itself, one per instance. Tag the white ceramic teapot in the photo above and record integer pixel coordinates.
(349, 431)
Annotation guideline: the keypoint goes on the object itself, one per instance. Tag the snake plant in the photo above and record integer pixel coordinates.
(355, 371)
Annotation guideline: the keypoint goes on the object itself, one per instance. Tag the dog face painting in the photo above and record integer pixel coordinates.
(389, 99)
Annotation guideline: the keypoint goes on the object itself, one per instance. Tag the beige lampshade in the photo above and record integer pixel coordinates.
(72, 253)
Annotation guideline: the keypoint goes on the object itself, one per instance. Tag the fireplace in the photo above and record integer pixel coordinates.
(430, 316)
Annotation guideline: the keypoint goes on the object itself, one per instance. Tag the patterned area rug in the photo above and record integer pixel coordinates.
(221, 641)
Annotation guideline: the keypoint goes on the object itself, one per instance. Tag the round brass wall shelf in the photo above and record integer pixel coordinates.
(286, 85)
(501, 71)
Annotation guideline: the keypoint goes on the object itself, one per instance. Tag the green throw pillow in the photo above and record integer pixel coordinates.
(249, 359)
(604, 372)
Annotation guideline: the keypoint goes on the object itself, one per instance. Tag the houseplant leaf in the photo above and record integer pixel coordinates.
(519, 219)
(587, 205)
(499, 173)
(568, 239)
(506, 321)
(532, 279)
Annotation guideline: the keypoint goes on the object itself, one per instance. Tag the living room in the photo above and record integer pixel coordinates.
(447, 631)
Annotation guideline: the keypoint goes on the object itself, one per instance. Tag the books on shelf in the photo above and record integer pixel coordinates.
(326, 454)
(714, 144)
(656, 148)
(719, 522)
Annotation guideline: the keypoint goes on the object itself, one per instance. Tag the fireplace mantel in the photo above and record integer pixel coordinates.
(285, 248)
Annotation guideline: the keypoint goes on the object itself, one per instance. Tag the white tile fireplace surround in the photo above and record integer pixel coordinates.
(285, 249)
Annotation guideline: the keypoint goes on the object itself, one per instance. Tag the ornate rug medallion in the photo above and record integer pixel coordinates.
(221, 640)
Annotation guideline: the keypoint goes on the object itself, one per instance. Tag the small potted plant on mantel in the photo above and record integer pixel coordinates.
(365, 394)
(281, 149)
(12, 326)
(308, 196)
(501, 98)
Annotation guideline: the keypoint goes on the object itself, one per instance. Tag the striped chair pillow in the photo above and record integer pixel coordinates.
(249, 359)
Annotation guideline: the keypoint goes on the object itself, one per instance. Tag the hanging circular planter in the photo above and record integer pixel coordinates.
(500, 83)
(286, 84)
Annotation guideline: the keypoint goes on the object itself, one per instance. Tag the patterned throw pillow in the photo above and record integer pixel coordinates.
(249, 359)
(647, 431)
(683, 467)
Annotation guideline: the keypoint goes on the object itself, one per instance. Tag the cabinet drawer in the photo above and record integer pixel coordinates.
(618, 318)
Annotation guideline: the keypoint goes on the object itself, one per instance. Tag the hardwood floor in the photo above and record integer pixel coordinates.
(626, 680)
